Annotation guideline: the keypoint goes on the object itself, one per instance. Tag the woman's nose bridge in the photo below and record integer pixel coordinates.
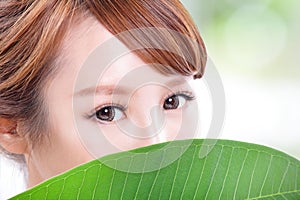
(144, 106)
(147, 116)
(138, 126)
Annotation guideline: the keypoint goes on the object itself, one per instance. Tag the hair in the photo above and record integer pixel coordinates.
(31, 34)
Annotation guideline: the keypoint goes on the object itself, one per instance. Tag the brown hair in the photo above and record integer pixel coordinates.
(31, 33)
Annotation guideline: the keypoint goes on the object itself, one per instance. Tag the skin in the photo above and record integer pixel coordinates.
(78, 134)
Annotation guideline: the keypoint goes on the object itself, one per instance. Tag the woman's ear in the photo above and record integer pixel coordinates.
(10, 139)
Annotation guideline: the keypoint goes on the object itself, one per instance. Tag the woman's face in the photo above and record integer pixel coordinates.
(93, 112)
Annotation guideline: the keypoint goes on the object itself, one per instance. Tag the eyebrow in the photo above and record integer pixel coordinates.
(113, 89)
(103, 89)
(176, 82)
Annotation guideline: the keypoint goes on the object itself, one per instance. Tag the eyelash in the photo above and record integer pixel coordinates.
(188, 95)
(92, 114)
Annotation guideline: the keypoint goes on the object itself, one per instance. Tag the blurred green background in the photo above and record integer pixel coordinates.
(255, 47)
(255, 38)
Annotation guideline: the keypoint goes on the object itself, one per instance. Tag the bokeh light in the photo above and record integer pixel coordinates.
(255, 45)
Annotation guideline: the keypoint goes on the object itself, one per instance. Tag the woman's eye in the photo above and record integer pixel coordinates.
(110, 113)
(176, 101)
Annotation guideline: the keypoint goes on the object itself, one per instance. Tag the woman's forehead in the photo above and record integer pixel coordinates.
(85, 66)
(81, 39)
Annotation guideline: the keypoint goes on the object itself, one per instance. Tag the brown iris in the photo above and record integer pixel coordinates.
(171, 102)
(106, 113)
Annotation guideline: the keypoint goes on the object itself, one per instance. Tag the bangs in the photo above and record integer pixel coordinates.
(161, 32)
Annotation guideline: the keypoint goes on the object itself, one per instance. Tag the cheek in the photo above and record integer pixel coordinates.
(63, 149)
(175, 126)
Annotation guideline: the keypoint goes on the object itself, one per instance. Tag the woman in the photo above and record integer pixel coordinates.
(47, 95)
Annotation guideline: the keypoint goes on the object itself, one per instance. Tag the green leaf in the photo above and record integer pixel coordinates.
(174, 170)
